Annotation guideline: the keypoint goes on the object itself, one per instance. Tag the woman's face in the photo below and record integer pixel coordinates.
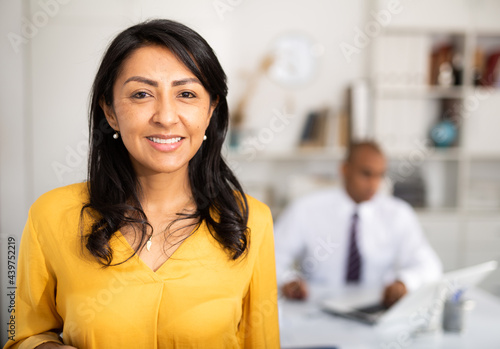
(160, 109)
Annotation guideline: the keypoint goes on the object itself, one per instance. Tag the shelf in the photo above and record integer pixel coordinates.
(450, 31)
(455, 92)
(452, 211)
(335, 154)
(483, 156)
(437, 210)
(486, 32)
(430, 154)
(481, 212)
(482, 92)
(411, 30)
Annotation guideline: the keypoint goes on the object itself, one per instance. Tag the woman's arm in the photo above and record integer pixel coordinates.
(259, 326)
(36, 320)
(54, 345)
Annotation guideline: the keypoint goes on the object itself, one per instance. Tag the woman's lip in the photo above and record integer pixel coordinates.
(165, 147)
(164, 136)
(170, 139)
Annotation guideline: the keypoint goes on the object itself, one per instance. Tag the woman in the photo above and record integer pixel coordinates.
(160, 248)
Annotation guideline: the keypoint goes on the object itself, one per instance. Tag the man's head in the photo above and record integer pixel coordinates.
(363, 169)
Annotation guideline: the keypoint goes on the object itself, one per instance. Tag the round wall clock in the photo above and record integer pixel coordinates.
(294, 60)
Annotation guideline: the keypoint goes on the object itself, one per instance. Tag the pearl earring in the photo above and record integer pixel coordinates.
(205, 137)
(116, 135)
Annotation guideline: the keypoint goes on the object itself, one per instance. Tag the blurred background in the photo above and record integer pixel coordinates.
(305, 78)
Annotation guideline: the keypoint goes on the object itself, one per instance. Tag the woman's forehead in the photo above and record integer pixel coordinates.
(153, 60)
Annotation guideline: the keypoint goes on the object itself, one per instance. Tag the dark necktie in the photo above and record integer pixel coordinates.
(354, 258)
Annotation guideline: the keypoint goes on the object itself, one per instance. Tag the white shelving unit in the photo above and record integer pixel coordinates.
(406, 106)
(462, 213)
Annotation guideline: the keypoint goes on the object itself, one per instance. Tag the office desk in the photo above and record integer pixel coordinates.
(304, 324)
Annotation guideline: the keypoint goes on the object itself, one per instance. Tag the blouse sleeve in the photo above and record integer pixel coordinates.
(36, 319)
(259, 326)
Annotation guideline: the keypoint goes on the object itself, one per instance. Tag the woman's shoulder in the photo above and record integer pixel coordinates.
(55, 215)
(257, 209)
(62, 199)
(260, 220)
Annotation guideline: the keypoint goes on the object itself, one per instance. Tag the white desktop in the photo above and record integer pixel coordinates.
(413, 323)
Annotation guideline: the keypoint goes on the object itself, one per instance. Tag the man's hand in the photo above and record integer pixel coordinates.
(295, 290)
(393, 293)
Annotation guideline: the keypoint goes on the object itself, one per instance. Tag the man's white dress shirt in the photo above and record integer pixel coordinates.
(313, 235)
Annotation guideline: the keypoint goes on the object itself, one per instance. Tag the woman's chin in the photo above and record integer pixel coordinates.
(159, 169)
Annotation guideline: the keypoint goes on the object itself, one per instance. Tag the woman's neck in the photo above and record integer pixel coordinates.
(165, 193)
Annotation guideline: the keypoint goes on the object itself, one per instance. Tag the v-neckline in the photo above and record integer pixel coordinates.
(165, 264)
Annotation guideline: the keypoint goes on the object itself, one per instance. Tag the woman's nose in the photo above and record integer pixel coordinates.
(166, 112)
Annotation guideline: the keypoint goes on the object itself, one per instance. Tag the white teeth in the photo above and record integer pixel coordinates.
(165, 141)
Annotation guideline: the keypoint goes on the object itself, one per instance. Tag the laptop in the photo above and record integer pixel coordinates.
(367, 308)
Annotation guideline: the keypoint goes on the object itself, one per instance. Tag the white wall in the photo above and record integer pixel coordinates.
(446, 14)
(15, 187)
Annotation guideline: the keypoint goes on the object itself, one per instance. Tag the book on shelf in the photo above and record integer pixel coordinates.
(491, 75)
(359, 111)
(325, 129)
(313, 134)
(319, 129)
(478, 66)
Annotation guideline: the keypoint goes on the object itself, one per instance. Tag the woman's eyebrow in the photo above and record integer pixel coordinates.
(185, 81)
(155, 84)
(143, 80)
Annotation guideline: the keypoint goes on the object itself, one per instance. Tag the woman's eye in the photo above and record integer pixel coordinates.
(140, 95)
(187, 95)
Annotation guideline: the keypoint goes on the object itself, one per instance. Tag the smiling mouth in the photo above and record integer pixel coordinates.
(165, 141)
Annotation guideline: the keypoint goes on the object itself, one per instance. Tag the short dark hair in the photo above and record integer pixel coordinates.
(354, 147)
(112, 183)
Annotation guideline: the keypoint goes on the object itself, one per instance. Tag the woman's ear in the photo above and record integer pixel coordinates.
(109, 113)
(213, 105)
(344, 169)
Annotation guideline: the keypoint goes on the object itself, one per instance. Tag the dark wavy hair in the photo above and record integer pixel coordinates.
(114, 190)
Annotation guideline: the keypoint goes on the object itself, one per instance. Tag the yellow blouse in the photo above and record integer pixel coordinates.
(198, 298)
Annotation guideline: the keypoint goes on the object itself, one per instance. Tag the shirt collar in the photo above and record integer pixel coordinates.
(364, 208)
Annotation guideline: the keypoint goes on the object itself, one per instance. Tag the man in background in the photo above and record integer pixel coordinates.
(354, 235)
